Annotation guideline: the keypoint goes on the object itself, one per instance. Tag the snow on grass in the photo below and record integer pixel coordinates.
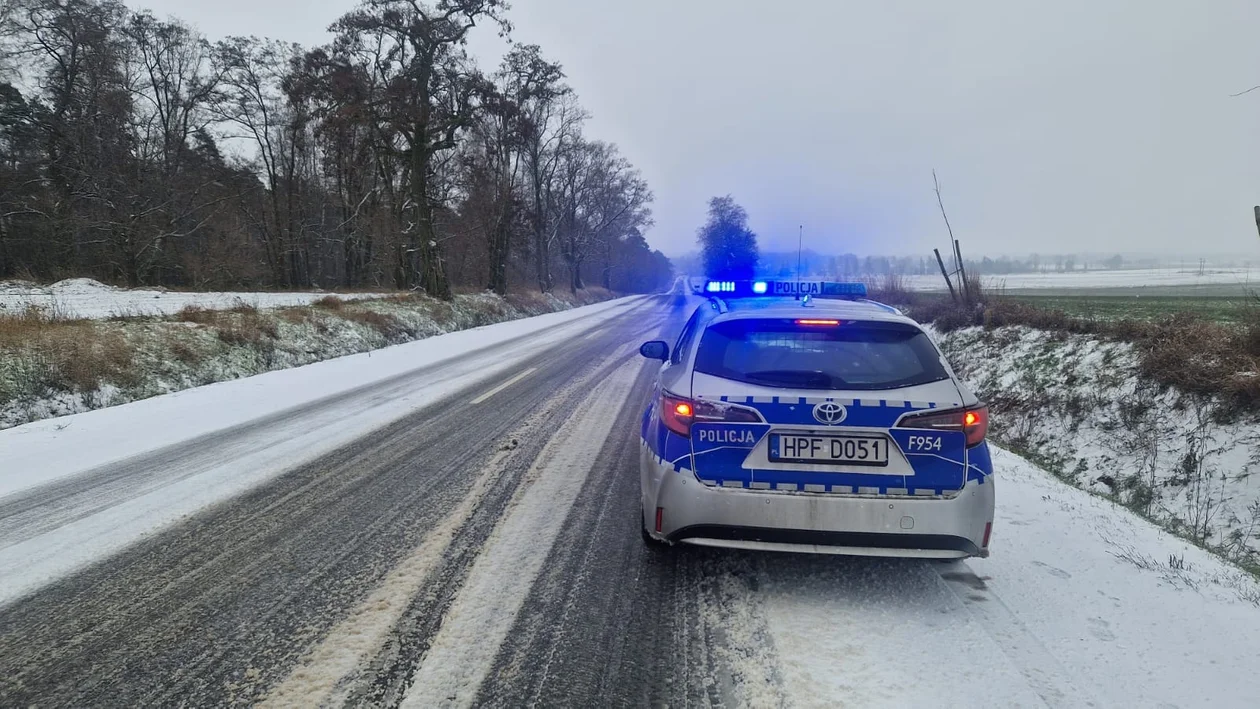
(1080, 406)
(93, 300)
(50, 366)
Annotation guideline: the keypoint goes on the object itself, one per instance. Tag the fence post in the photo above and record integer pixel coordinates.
(948, 283)
(962, 272)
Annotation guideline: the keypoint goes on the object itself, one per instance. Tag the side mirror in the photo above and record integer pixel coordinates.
(655, 350)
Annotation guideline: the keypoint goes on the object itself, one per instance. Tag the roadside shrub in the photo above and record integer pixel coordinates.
(198, 315)
(532, 302)
(248, 328)
(330, 302)
(242, 324)
(389, 326)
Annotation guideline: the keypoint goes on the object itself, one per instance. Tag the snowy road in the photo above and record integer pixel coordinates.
(481, 548)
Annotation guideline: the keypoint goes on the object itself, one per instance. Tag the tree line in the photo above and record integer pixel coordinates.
(134, 150)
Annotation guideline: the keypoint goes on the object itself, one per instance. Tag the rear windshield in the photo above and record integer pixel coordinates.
(846, 355)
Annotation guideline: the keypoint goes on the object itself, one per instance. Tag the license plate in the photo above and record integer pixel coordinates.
(842, 450)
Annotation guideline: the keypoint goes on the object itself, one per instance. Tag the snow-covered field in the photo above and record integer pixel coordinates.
(1076, 280)
(86, 298)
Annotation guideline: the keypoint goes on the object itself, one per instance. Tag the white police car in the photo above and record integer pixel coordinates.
(802, 417)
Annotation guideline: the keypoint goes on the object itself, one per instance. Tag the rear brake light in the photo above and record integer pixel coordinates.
(817, 322)
(974, 422)
(678, 413)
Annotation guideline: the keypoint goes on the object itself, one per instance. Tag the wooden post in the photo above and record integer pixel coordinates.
(962, 272)
(948, 283)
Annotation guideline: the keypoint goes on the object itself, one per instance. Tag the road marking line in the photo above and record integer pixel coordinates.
(504, 385)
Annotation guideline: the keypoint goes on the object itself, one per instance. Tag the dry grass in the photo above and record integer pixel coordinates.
(330, 302)
(389, 326)
(296, 315)
(243, 324)
(199, 315)
(1183, 350)
(58, 354)
(183, 351)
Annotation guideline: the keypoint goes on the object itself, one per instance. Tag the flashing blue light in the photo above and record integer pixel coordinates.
(797, 289)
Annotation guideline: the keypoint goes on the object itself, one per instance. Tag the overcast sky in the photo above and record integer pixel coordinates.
(1075, 125)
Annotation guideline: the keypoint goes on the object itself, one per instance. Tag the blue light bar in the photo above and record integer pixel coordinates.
(749, 289)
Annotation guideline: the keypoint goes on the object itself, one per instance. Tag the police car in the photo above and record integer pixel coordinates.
(799, 416)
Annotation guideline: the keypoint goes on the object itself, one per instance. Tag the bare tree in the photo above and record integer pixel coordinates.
(430, 95)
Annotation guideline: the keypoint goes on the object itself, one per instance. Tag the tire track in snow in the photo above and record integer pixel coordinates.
(386, 678)
(331, 667)
(482, 614)
(609, 621)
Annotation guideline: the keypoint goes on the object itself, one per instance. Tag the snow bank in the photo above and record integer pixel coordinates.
(1079, 406)
(86, 298)
(60, 368)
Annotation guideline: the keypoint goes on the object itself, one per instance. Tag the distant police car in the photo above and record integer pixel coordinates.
(802, 417)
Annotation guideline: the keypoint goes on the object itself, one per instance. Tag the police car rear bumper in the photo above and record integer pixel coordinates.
(695, 513)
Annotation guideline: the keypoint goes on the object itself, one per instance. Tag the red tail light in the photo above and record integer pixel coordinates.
(678, 414)
(974, 422)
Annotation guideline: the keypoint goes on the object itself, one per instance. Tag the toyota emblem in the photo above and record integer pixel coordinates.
(830, 413)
